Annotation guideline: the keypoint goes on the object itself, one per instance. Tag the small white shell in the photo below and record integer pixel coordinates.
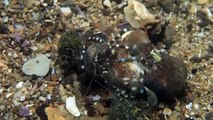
(37, 66)
(71, 106)
(107, 3)
(65, 11)
(8, 95)
(137, 15)
(19, 85)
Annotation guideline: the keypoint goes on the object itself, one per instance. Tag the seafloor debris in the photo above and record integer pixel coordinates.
(32, 27)
(137, 15)
(72, 107)
(53, 114)
(3, 28)
(37, 66)
(3, 66)
(65, 11)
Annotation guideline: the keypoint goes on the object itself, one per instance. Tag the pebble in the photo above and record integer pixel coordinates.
(22, 98)
(37, 66)
(201, 2)
(16, 103)
(5, 19)
(44, 4)
(140, 12)
(41, 98)
(19, 85)
(18, 94)
(208, 13)
(36, 15)
(8, 95)
(6, 2)
(3, 13)
(193, 9)
(196, 106)
(15, 55)
(95, 98)
(34, 48)
(189, 106)
(65, 11)
(9, 54)
(167, 111)
(3, 29)
(85, 25)
(107, 3)
(2, 107)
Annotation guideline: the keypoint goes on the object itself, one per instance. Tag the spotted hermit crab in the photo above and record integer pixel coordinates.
(134, 63)
(131, 67)
(135, 69)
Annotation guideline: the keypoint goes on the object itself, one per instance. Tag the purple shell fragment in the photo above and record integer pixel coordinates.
(17, 37)
(25, 111)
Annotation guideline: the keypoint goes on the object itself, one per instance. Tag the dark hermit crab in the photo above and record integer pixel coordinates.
(133, 68)
(134, 65)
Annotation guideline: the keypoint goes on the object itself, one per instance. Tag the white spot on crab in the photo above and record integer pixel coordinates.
(133, 88)
(105, 72)
(125, 79)
(125, 35)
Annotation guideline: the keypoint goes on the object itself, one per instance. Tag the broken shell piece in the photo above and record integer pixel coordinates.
(71, 106)
(53, 114)
(201, 2)
(107, 3)
(37, 66)
(137, 15)
(8, 95)
(3, 66)
(65, 11)
(167, 112)
(208, 13)
(6, 2)
(19, 85)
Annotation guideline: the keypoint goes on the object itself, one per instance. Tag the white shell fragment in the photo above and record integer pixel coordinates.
(37, 66)
(167, 112)
(19, 85)
(137, 15)
(189, 106)
(107, 3)
(8, 95)
(6, 2)
(65, 11)
(208, 13)
(71, 106)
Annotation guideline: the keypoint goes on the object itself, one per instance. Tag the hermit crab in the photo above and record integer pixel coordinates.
(131, 66)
